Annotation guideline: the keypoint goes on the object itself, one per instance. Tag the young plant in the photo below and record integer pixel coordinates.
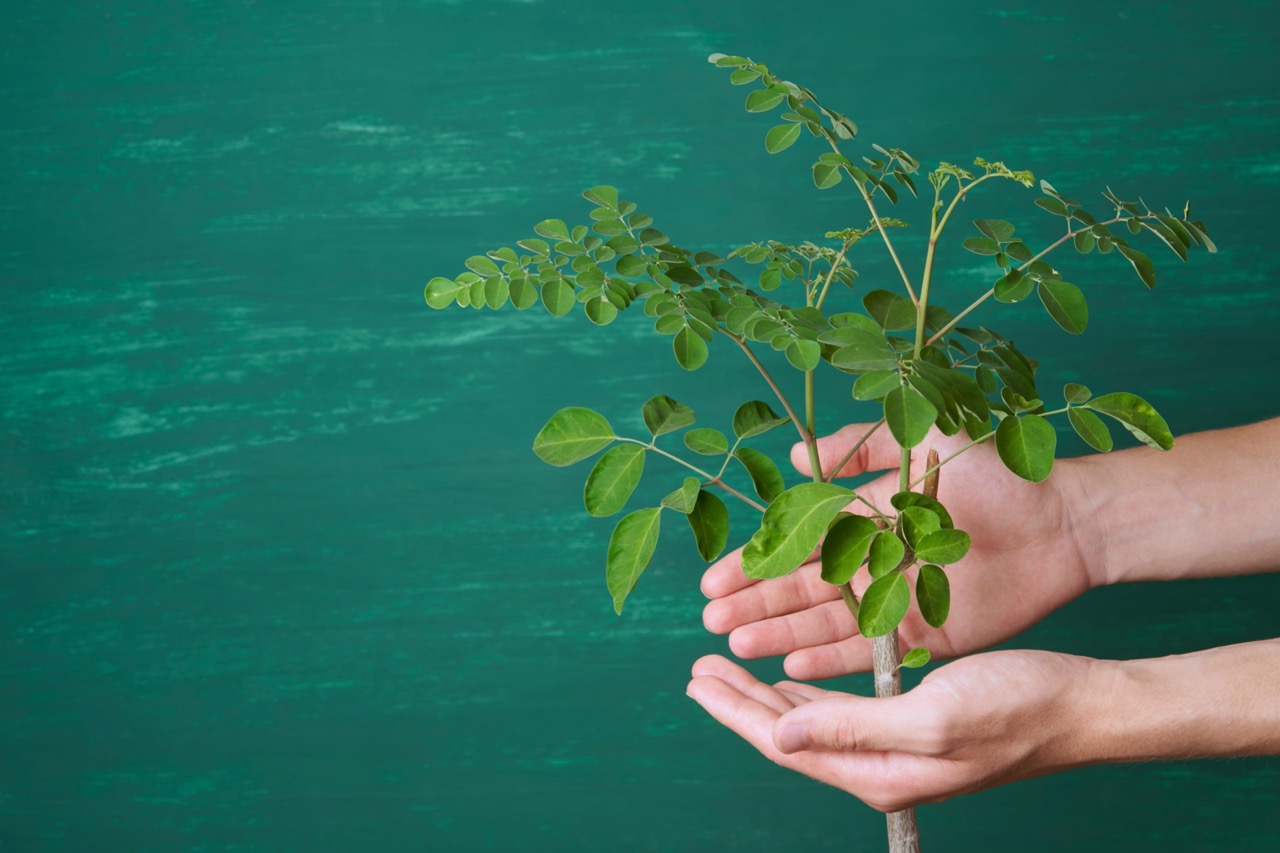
(903, 353)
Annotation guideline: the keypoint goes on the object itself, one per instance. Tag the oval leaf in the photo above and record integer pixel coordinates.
(1066, 305)
(781, 137)
(1091, 428)
(886, 554)
(909, 415)
(755, 417)
(709, 521)
(915, 658)
(883, 605)
(683, 498)
(1141, 265)
(612, 479)
(708, 442)
(943, 546)
(845, 547)
(791, 528)
(803, 354)
(902, 500)
(933, 594)
(1136, 415)
(630, 550)
(765, 475)
(917, 522)
(572, 435)
(558, 297)
(1026, 445)
(690, 349)
(663, 415)
(874, 385)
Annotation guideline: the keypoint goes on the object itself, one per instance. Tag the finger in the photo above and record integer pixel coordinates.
(830, 661)
(751, 720)
(819, 625)
(878, 453)
(857, 724)
(725, 576)
(808, 691)
(742, 681)
(796, 699)
(798, 591)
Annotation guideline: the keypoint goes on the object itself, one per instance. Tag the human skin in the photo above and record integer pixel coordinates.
(1201, 510)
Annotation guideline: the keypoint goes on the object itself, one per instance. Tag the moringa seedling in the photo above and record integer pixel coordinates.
(919, 364)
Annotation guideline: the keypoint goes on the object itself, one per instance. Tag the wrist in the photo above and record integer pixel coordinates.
(1085, 491)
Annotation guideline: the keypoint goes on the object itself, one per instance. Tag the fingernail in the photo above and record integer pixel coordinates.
(790, 738)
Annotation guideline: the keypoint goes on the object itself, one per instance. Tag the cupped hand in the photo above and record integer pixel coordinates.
(979, 722)
(1030, 554)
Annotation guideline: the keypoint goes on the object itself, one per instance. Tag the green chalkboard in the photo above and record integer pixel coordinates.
(279, 572)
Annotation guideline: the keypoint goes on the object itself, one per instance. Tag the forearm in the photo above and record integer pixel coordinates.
(1216, 703)
(1204, 509)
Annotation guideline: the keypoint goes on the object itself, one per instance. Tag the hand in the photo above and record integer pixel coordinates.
(976, 723)
(1030, 552)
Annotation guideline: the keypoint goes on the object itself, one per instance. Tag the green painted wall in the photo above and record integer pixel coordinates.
(279, 571)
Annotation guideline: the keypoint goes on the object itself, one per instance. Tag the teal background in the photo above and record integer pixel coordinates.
(279, 570)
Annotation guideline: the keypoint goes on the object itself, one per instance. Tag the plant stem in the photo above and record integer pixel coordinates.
(871, 205)
(711, 480)
(805, 435)
(811, 444)
(830, 275)
(857, 445)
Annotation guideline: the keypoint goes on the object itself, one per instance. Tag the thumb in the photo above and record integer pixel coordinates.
(855, 724)
(877, 453)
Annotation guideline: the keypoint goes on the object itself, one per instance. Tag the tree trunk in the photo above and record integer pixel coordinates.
(904, 837)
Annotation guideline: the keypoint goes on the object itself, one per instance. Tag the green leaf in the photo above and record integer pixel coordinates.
(1137, 416)
(1052, 205)
(707, 441)
(440, 292)
(683, 498)
(480, 265)
(765, 475)
(804, 354)
(918, 522)
(1091, 428)
(909, 415)
(763, 100)
(781, 137)
(826, 175)
(997, 229)
(523, 294)
(791, 528)
(1073, 392)
(886, 553)
(1141, 265)
(552, 229)
(600, 311)
(982, 246)
(690, 349)
(890, 311)
(846, 547)
(1026, 445)
(571, 435)
(630, 550)
(1014, 286)
(663, 415)
(558, 297)
(874, 385)
(612, 479)
(631, 266)
(709, 522)
(863, 352)
(605, 196)
(1084, 242)
(915, 658)
(902, 500)
(755, 417)
(883, 605)
(943, 546)
(1065, 304)
(933, 594)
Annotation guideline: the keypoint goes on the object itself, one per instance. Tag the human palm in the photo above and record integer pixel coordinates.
(1028, 557)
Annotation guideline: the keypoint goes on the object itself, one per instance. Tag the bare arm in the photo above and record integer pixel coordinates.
(1204, 509)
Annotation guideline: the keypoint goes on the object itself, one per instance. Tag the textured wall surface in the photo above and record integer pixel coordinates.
(279, 571)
